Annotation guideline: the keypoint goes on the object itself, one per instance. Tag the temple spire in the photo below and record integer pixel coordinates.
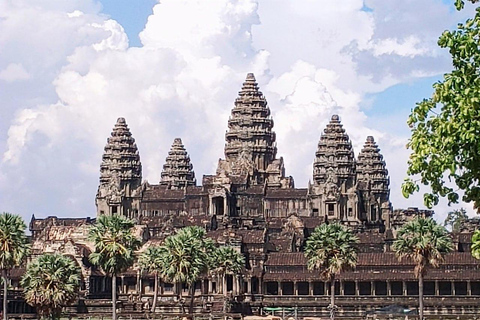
(178, 171)
(120, 172)
(371, 168)
(250, 136)
(334, 158)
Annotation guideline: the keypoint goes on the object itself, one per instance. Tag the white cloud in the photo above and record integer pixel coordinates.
(14, 72)
(311, 59)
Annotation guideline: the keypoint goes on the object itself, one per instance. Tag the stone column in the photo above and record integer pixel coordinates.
(404, 287)
(280, 289)
(469, 288)
(295, 288)
(310, 288)
(357, 288)
(372, 288)
(437, 288)
(452, 287)
(342, 288)
(249, 285)
(210, 286)
(123, 285)
(389, 288)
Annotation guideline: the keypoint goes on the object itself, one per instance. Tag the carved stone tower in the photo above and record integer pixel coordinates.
(250, 147)
(178, 171)
(334, 175)
(373, 183)
(119, 191)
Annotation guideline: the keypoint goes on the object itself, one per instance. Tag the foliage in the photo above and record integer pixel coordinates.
(331, 249)
(476, 244)
(188, 255)
(423, 241)
(455, 219)
(115, 243)
(14, 247)
(51, 281)
(153, 259)
(445, 127)
(228, 260)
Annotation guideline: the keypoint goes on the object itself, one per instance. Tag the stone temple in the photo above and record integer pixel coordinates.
(249, 203)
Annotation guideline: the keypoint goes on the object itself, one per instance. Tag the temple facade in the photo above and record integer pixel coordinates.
(250, 203)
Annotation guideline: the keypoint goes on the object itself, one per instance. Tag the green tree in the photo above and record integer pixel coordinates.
(153, 261)
(14, 248)
(455, 219)
(331, 250)
(476, 244)
(445, 128)
(424, 242)
(228, 260)
(115, 245)
(50, 282)
(188, 257)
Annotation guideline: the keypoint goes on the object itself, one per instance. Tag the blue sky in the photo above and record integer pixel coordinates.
(78, 65)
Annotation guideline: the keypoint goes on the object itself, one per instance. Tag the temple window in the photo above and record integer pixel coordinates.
(114, 209)
(380, 288)
(460, 288)
(429, 288)
(315, 212)
(445, 288)
(350, 212)
(412, 288)
(396, 288)
(365, 288)
(331, 209)
(349, 288)
(217, 203)
(373, 212)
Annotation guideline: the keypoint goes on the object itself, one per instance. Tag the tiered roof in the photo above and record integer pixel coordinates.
(250, 127)
(121, 160)
(334, 153)
(178, 170)
(371, 167)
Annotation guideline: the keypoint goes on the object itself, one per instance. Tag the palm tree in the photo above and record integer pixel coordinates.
(228, 260)
(50, 282)
(331, 249)
(153, 261)
(425, 242)
(115, 244)
(187, 257)
(13, 249)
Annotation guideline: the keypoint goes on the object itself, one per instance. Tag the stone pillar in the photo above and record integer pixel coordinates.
(372, 288)
(389, 288)
(325, 288)
(404, 287)
(210, 286)
(295, 288)
(249, 285)
(123, 285)
(310, 288)
(280, 289)
(357, 288)
(342, 287)
(469, 288)
(437, 288)
(452, 287)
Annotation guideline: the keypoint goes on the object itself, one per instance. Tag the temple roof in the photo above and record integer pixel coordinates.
(371, 168)
(178, 171)
(121, 160)
(334, 154)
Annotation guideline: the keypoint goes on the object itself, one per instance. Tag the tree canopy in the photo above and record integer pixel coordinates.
(50, 282)
(455, 219)
(445, 127)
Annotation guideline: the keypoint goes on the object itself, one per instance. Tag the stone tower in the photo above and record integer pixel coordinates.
(373, 182)
(119, 191)
(250, 147)
(178, 171)
(334, 175)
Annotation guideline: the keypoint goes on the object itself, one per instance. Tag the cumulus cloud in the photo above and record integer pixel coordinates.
(183, 82)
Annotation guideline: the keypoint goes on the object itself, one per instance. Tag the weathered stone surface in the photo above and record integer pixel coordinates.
(178, 171)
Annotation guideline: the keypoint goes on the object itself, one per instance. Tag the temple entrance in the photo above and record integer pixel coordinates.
(218, 206)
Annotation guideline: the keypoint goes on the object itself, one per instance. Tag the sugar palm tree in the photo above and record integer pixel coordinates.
(331, 250)
(50, 282)
(153, 261)
(14, 249)
(187, 257)
(115, 244)
(228, 260)
(425, 242)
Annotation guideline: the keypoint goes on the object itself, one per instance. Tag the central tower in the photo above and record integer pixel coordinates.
(250, 147)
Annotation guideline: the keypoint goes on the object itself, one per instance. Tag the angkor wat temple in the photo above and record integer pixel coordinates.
(249, 203)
